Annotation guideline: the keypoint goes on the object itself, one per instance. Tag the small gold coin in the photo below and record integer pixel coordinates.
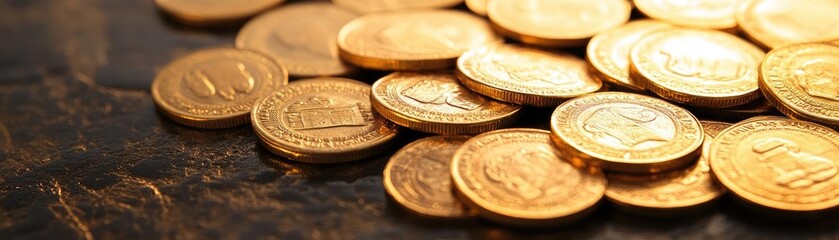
(374, 6)
(779, 163)
(305, 45)
(608, 51)
(702, 68)
(418, 177)
(207, 12)
(713, 14)
(626, 132)
(477, 6)
(321, 120)
(412, 40)
(435, 102)
(556, 23)
(215, 88)
(774, 23)
(516, 177)
(525, 75)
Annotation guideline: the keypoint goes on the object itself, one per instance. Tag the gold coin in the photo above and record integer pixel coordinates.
(525, 75)
(608, 51)
(374, 6)
(759, 107)
(713, 14)
(305, 45)
(556, 23)
(412, 40)
(774, 23)
(418, 177)
(626, 132)
(435, 102)
(701, 68)
(779, 163)
(321, 120)
(214, 11)
(802, 81)
(215, 88)
(516, 177)
(477, 6)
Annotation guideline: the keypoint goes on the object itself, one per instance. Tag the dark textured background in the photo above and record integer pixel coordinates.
(84, 155)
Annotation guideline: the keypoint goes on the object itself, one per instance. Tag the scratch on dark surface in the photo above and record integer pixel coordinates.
(80, 226)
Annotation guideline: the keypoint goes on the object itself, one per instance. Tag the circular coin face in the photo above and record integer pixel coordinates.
(292, 35)
(215, 88)
(321, 120)
(515, 176)
(608, 51)
(774, 23)
(625, 132)
(213, 11)
(714, 14)
(373, 6)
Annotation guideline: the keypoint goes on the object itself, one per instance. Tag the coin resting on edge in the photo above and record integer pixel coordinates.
(713, 14)
(515, 176)
(321, 120)
(608, 51)
(215, 88)
(774, 23)
(374, 6)
(214, 11)
(418, 177)
(525, 75)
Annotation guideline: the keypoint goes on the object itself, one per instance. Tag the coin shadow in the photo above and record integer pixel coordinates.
(747, 214)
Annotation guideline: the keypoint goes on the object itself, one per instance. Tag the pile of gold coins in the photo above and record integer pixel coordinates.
(624, 123)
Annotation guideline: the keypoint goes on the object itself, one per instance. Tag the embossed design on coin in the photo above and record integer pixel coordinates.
(629, 125)
(817, 79)
(225, 78)
(529, 172)
(775, 23)
(793, 168)
(318, 112)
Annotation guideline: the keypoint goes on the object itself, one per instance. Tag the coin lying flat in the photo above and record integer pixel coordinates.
(412, 40)
(215, 88)
(477, 6)
(758, 107)
(774, 23)
(608, 51)
(713, 14)
(515, 176)
(321, 120)
(374, 6)
(435, 102)
(626, 132)
(556, 23)
(701, 68)
(523, 75)
(305, 45)
(418, 177)
(214, 11)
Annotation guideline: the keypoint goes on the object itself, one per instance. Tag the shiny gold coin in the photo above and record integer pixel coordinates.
(305, 45)
(556, 23)
(774, 23)
(214, 11)
(525, 75)
(435, 102)
(321, 120)
(418, 177)
(626, 132)
(608, 51)
(412, 40)
(215, 88)
(374, 6)
(477, 6)
(759, 107)
(713, 14)
(701, 68)
(516, 177)
(779, 163)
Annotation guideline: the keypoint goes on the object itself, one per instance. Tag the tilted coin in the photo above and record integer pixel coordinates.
(374, 6)
(516, 177)
(305, 45)
(435, 102)
(608, 51)
(477, 6)
(713, 14)
(214, 11)
(626, 132)
(774, 23)
(321, 120)
(418, 177)
(525, 75)
(412, 40)
(215, 88)
(758, 107)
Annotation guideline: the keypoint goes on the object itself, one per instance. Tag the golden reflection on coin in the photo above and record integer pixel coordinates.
(435, 102)
(215, 88)
(774, 23)
(608, 51)
(701, 68)
(758, 107)
(214, 11)
(626, 132)
(713, 14)
(779, 163)
(412, 40)
(418, 177)
(515, 176)
(477, 6)
(523, 75)
(305, 45)
(556, 23)
(374, 6)
(321, 120)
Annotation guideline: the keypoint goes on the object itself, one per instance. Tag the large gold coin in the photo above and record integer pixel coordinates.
(525, 75)
(556, 23)
(774, 23)
(626, 132)
(305, 45)
(373, 6)
(701, 68)
(418, 177)
(515, 176)
(214, 11)
(608, 51)
(412, 40)
(321, 120)
(215, 88)
(802, 81)
(435, 102)
(779, 163)
(713, 14)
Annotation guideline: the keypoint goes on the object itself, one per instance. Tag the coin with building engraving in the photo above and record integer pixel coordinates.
(207, 12)
(774, 23)
(374, 6)
(713, 14)
(608, 51)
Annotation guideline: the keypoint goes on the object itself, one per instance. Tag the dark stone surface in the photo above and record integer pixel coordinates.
(84, 155)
